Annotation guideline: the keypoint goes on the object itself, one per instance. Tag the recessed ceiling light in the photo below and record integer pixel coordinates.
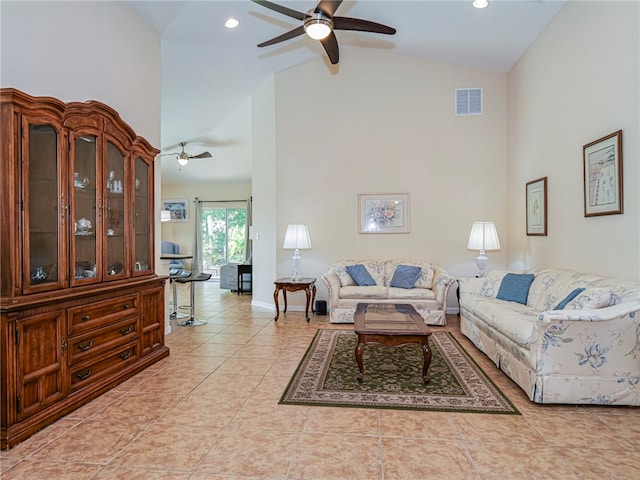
(480, 3)
(231, 23)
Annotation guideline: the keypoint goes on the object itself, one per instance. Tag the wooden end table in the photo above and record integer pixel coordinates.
(288, 285)
(391, 325)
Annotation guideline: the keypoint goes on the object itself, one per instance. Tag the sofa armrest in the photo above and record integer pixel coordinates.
(333, 285)
(441, 283)
(590, 314)
(603, 342)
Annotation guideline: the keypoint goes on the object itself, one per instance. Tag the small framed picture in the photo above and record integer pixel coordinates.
(603, 176)
(384, 213)
(178, 208)
(537, 207)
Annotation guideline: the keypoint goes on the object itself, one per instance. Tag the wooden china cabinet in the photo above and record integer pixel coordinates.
(81, 307)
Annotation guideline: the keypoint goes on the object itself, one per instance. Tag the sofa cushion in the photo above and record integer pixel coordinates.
(551, 285)
(346, 280)
(361, 275)
(515, 287)
(514, 320)
(405, 276)
(411, 293)
(591, 298)
(363, 292)
(425, 280)
(568, 298)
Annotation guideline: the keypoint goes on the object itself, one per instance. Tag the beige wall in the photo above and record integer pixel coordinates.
(264, 190)
(78, 51)
(578, 82)
(384, 124)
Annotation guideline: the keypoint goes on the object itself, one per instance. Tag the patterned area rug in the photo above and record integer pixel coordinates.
(326, 376)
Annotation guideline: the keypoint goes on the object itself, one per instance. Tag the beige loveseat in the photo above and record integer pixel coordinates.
(428, 294)
(584, 352)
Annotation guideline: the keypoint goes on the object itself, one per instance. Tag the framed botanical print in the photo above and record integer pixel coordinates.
(602, 160)
(384, 213)
(537, 207)
(178, 208)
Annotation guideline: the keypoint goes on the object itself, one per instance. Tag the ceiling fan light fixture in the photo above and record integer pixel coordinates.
(183, 159)
(317, 26)
(231, 23)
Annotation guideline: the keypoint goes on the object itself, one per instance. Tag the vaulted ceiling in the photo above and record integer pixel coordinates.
(209, 71)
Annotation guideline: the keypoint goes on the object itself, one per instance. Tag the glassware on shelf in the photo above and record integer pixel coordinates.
(80, 181)
(111, 180)
(39, 274)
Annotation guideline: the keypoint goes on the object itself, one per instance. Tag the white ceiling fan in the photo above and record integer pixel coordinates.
(183, 157)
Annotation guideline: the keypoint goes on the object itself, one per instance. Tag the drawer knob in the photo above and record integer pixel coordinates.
(84, 374)
(85, 346)
(125, 306)
(85, 317)
(125, 355)
(126, 330)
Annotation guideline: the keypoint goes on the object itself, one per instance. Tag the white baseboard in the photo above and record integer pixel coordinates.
(267, 305)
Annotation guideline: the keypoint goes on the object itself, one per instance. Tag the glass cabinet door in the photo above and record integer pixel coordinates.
(115, 224)
(44, 209)
(142, 217)
(84, 247)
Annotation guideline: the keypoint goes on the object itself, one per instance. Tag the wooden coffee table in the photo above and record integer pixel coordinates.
(391, 325)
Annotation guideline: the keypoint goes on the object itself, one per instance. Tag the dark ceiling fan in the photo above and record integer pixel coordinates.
(319, 23)
(183, 157)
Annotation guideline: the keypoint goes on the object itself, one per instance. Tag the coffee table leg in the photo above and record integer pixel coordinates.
(426, 352)
(359, 349)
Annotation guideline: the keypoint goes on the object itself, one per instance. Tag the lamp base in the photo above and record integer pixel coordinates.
(295, 261)
(481, 262)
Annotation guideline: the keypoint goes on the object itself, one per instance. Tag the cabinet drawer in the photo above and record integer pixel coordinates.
(114, 361)
(92, 343)
(94, 315)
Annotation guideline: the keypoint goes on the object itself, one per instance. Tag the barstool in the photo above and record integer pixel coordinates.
(192, 321)
(172, 278)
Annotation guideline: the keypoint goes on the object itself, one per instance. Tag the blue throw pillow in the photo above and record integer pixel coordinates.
(515, 287)
(568, 298)
(405, 276)
(361, 275)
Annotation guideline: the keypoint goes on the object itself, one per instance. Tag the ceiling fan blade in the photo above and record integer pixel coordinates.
(167, 154)
(289, 12)
(285, 36)
(330, 44)
(201, 155)
(328, 7)
(347, 23)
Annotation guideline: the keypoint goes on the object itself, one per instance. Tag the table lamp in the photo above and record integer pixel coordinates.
(297, 237)
(484, 236)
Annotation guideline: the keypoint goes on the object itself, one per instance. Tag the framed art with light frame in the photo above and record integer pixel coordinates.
(602, 164)
(178, 208)
(384, 213)
(537, 207)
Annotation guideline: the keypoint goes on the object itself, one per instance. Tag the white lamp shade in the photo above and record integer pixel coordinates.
(297, 237)
(165, 215)
(484, 236)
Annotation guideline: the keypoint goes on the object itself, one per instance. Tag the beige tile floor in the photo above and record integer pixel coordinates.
(210, 411)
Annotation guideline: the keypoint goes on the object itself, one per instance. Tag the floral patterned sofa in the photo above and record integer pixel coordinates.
(428, 294)
(584, 352)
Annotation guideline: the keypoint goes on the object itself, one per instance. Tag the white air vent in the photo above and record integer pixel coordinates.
(468, 101)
